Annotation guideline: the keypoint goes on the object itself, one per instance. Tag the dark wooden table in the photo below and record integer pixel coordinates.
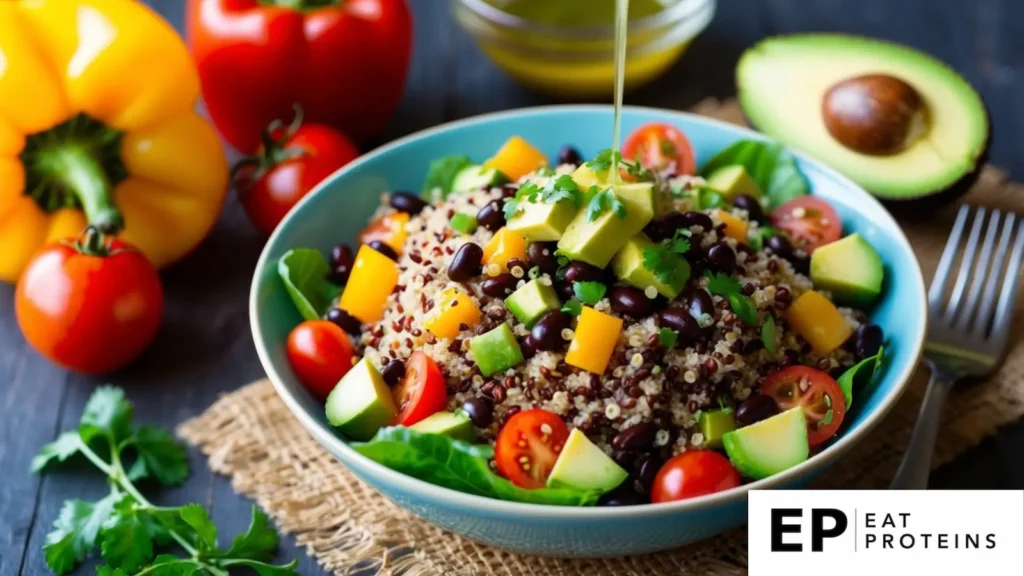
(205, 349)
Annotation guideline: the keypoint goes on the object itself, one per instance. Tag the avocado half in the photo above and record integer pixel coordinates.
(785, 82)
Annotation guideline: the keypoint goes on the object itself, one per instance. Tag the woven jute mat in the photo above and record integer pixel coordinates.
(251, 436)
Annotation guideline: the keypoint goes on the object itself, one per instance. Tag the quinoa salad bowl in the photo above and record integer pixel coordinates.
(545, 345)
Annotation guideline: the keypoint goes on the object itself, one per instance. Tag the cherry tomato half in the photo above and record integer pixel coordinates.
(389, 229)
(659, 146)
(321, 354)
(809, 221)
(528, 446)
(694, 473)
(421, 392)
(91, 305)
(813, 390)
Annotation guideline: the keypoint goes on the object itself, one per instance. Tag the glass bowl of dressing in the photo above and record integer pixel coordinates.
(565, 48)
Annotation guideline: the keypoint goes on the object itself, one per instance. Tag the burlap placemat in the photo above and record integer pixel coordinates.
(251, 436)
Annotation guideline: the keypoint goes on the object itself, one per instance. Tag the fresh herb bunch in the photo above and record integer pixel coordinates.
(729, 288)
(666, 260)
(125, 525)
(603, 201)
(553, 191)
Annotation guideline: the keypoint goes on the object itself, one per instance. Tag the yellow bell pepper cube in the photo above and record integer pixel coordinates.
(734, 227)
(504, 246)
(453, 308)
(594, 341)
(373, 277)
(819, 322)
(517, 158)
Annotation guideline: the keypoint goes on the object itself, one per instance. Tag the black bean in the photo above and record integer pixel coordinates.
(407, 202)
(625, 458)
(393, 372)
(638, 437)
(383, 249)
(722, 258)
(480, 411)
(867, 340)
(583, 272)
(624, 496)
(466, 263)
(632, 302)
(547, 332)
(491, 216)
(345, 321)
(698, 219)
(528, 346)
(648, 471)
(701, 304)
(569, 155)
(542, 255)
(500, 286)
(679, 319)
(756, 408)
(751, 205)
(779, 245)
(801, 262)
(341, 261)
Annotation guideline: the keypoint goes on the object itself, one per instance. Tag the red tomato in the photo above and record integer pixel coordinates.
(659, 146)
(809, 221)
(291, 162)
(321, 354)
(813, 390)
(528, 446)
(694, 473)
(421, 392)
(91, 305)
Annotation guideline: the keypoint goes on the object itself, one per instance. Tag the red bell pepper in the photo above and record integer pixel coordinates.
(343, 61)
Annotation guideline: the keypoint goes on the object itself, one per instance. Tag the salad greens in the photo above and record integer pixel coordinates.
(458, 465)
(304, 272)
(770, 165)
(729, 288)
(860, 375)
(125, 526)
(441, 173)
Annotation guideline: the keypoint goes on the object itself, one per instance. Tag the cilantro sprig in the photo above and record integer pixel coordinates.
(126, 527)
(729, 288)
(589, 292)
(666, 260)
(607, 158)
(668, 337)
(602, 201)
(553, 191)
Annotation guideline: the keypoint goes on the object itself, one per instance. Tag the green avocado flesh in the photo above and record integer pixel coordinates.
(496, 351)
(541, 222)
(628, 266)
(770, 446)
(583, 466)
(454, 425)
(733, 181)
(782, 82)
(361, 403)
(850, 269)
(595, 242)
(531, 301)
(714, 424)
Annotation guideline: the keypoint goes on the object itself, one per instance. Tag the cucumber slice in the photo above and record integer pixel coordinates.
(476, 177)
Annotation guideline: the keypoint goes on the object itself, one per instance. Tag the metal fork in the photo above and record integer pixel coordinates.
(969, 330)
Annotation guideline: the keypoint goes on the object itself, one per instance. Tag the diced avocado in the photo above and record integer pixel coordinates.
(475, 177)
(595, 242)
(531, 301)
(496, 351)
(850, 269)
(714, 424)
(770, 446)
(585, 177)
(733, 181)
(542, 222)
(583, 466)
(454, 425)
(463, 222)
(361, 403)
(628, 265)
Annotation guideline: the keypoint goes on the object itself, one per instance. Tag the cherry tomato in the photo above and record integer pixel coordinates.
(528, 446)
(659, 146)
(91, 305)
(813, 390)
(321, 353)
(389, 229)
(421, 392)
(291, 162)
(809, 221)
(693, 473)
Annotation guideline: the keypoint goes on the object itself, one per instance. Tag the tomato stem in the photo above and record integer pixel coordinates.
(274, 151)
(92, 242)
(302, 5)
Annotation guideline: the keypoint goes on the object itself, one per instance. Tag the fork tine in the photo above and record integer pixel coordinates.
(1008, 297)
(982, 267)
(938, 287)
(984, 315)
(956, 296)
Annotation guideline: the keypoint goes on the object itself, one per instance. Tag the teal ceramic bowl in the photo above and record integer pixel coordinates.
(341, 206)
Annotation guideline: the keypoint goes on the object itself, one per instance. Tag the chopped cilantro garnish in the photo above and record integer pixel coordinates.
(666, 260)
(722, 284)
(545, 171)
(729, 288)
(667, 337)
(554, 190)
(604, 160)
(768, 334)
(573, 308)
(604, 201)
(589, 292)
(828, 418)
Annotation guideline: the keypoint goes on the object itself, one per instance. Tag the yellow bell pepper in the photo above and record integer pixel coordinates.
(371, 281)
(594, 340)
(517, 158)
(734, 227)
(453, 308)
(97, 127)
(819, 322)
(504, 246)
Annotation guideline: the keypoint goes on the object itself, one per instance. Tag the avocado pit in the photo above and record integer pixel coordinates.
(874, 114)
